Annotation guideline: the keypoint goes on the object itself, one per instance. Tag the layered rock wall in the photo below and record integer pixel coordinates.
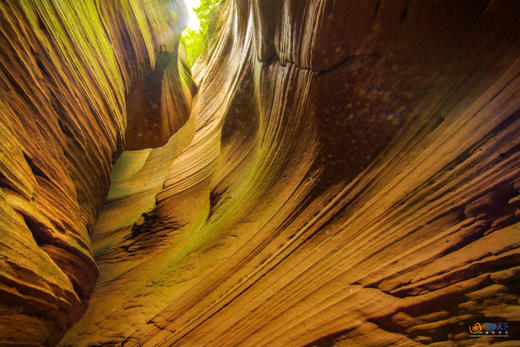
(66, 68)
(352, 179)
(349, 174)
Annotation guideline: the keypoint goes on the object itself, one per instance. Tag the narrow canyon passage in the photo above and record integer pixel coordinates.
(327, 172)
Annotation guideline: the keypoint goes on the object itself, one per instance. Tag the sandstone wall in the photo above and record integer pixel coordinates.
(66, 68)
(353, 178)
(349, 174)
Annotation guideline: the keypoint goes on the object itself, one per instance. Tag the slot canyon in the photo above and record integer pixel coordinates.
(327, 173)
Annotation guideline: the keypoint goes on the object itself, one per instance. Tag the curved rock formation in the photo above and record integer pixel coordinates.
(347, 173)
(66, 68)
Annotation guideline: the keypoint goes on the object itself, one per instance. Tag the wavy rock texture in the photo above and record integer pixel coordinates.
(349, 174)
(65, 70)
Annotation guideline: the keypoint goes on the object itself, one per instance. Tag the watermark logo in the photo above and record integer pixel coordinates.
(489, 329)
(475, 328)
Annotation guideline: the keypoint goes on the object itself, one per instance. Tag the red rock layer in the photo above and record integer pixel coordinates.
(65, 70)
(353, 179)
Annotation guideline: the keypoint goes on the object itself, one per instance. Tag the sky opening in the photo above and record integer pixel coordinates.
(193, 21)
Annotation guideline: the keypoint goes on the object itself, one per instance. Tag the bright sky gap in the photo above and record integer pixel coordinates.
(193, 21)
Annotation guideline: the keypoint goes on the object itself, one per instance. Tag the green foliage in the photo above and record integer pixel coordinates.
(196, 41)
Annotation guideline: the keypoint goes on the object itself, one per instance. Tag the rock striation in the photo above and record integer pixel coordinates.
(338, 173)
(65, 71)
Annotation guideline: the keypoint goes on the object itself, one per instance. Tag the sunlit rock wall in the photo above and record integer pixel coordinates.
(349, 173)
(351, 177)
(66, 69)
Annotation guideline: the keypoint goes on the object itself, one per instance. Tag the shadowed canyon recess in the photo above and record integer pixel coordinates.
(326, 173)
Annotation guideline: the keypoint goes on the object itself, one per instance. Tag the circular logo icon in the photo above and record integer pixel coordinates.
(475, 328)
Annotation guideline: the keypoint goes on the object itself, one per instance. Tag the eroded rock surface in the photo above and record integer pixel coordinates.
(66, 68)
(349, 174)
